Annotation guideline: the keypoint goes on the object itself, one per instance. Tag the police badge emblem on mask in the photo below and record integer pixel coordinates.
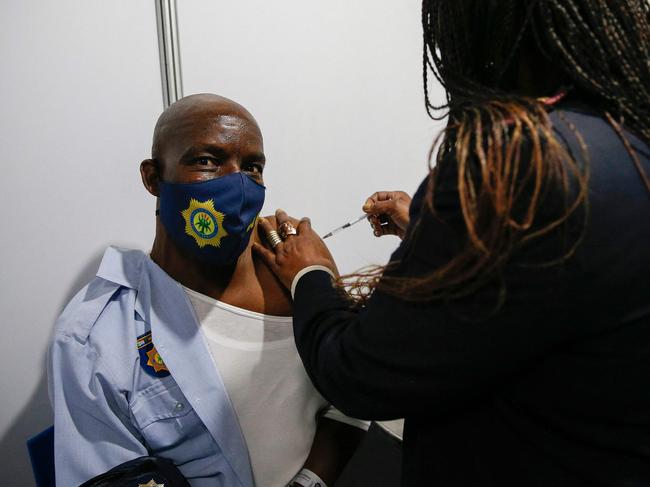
(212, 220)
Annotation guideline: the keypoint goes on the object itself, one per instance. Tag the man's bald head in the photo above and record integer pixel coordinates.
(194, 111)
(202, 137)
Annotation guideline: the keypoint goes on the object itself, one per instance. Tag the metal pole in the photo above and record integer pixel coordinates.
(170, 54)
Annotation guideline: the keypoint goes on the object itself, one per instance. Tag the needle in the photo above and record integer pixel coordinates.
(347, 225)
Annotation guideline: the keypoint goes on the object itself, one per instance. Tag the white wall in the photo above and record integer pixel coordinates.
(335, 86)
(79, 91)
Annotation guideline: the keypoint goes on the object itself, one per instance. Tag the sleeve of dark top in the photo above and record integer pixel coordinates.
(396, 358)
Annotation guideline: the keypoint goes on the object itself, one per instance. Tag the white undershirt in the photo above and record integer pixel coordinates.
(276, 404)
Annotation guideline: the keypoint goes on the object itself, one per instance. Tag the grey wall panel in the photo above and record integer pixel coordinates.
(80, 90)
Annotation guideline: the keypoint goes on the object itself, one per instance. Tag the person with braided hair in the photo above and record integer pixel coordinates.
(511, 328)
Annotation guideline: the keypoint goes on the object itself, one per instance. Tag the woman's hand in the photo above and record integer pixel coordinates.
(388, 212)
(295, 251)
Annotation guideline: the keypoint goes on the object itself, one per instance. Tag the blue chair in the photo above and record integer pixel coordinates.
(41, 454)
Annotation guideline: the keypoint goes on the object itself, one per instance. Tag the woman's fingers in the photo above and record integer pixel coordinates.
(383, 226)
(375, 225)
(368, 206)
(391, 204)
(298, 250)
(304, 226)
(388, 212)
(267, 228)
(385, 200)
(281, 217)
(389, 207)
(268, 256)
(265, 225)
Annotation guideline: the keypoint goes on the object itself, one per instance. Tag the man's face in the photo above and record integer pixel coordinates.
(208, 143)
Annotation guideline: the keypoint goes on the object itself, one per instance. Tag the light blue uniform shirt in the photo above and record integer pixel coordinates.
(108, 410)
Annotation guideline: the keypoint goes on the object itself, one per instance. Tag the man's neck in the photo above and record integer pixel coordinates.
(247, 284)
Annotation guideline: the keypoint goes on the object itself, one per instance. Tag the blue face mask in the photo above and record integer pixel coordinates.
(212, 220)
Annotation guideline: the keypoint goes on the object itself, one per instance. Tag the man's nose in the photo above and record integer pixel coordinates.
(232, 166)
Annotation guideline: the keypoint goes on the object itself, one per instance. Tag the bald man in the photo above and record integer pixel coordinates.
(187, 353)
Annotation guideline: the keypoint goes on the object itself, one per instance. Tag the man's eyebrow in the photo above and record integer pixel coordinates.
(256, 157)
(196, 149)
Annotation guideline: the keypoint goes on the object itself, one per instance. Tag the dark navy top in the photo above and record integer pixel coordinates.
(551, 390)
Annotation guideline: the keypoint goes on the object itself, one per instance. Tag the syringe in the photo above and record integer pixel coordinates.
(347, 225)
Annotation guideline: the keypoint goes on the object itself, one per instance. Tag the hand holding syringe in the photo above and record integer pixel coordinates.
(387, 211)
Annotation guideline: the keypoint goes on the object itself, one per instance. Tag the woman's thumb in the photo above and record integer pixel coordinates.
(380, 207)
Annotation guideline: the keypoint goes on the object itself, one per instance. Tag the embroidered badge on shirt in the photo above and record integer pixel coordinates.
(150, 359)
(204, 223)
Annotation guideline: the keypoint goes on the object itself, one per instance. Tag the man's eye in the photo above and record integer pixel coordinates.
(254, 168)
(204, 161)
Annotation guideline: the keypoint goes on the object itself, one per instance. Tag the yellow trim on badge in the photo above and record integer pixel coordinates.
(250, 227)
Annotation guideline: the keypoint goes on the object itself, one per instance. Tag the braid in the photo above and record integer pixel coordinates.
(504, 151)
(510, 19)
(428, 66)
(602, 46)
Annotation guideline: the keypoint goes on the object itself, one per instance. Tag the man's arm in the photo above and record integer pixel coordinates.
(334, 444)
(335, 441)
(92, 433)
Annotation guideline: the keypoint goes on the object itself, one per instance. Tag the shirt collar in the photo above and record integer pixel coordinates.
(122, 266)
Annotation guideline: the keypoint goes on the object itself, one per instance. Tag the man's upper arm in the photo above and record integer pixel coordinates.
(92, 430)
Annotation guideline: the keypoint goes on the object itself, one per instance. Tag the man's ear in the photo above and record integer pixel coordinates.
(150, 173)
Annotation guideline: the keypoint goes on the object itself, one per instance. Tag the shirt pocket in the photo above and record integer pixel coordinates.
(169, 425)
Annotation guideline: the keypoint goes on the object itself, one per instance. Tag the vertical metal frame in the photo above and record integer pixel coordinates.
(169, 49)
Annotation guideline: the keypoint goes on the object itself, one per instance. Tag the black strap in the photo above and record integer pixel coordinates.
(140, 471)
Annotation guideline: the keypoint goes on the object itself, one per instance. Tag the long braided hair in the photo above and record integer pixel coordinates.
(506, 157)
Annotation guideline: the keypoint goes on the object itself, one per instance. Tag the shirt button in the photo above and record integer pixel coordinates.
(179, 406)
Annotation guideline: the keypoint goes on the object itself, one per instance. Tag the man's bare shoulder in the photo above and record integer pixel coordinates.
(256, 287)
(276, 299)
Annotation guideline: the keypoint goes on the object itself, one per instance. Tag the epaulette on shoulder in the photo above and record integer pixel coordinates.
(83, 310)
